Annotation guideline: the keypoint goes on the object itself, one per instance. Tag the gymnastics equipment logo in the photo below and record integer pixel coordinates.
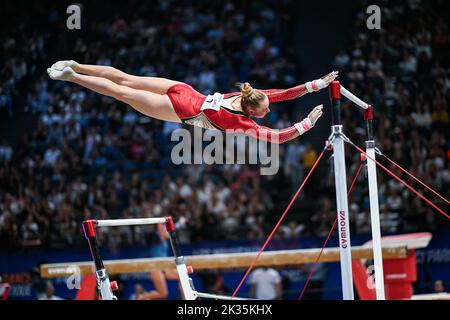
(343, 229)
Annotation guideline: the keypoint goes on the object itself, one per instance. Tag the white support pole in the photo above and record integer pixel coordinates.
(375, 221)
(129, 222)
(104, 285)
(183, 274)
(340, 177)
(342, 212)
(373, 193)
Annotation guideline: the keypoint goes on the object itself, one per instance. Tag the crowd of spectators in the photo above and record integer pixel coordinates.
(89, 156)
(403, 70)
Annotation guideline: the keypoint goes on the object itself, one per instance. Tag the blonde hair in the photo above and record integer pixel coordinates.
(250, 97)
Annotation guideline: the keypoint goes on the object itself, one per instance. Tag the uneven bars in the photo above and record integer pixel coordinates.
(354, 98)
(129, 222)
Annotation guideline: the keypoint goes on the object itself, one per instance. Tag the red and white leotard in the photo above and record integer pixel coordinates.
(192, 108)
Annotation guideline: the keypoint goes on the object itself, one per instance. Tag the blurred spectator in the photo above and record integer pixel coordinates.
(439, 286)
(265, 284)
(294, 162)
(138, 291)
(316, 283)
(219, 287)
(6, 152)
(213, 282)
(309, 158)
(49, 293)
(30, 232)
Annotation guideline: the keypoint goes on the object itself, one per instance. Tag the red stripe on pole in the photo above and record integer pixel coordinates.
(335, 90)
(89, 228)
(368, 113)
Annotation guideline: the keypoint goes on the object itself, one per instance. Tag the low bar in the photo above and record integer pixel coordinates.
(129, 222)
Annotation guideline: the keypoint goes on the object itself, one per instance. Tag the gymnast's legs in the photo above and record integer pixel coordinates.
(155, 105)
(152, 84)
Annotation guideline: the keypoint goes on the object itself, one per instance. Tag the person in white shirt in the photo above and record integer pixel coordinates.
(49, 293)
(265, 284)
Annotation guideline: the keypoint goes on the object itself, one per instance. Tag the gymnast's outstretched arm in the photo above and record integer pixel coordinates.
(284, 135)
(276, 95)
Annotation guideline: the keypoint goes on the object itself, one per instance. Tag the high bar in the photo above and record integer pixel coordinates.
(353, 98)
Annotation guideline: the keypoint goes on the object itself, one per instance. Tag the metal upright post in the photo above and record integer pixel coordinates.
(341, 193)
(103, 283)
(374, 209)
(183, 271)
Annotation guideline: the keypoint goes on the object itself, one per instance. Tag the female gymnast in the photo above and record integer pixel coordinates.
(175, 101)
